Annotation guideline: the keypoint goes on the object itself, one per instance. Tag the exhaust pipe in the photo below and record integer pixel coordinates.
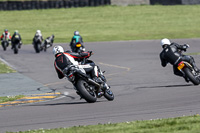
(94, 83)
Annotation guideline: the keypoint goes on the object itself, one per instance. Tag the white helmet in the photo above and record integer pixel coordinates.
(76, 33)
(58, 49)
(165, 41)
(38, 31)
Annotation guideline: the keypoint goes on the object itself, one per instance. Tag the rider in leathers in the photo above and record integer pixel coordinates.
(16, 38)
(172, 54)
(48, 42)
(64, 60)
(5, 36)
(76, 39)
(38, 34)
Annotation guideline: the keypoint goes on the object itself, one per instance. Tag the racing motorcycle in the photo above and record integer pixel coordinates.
(16, 44)
(86, 87)
(48, 42)
(5, 44)
(189, 72)
(37, 44)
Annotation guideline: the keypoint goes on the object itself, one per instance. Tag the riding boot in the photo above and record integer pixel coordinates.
(195, 67)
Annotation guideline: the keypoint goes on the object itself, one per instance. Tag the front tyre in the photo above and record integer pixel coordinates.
(108, 94)
(4, 46)
(191, 77)
(85, 91)
(15, 49)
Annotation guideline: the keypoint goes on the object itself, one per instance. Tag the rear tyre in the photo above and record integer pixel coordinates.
(108, 94)
(37, 48)
(4, 46)
(15, 49)
(85, 91)
(191, 77)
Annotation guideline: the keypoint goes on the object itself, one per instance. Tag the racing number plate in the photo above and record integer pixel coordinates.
(181, 66)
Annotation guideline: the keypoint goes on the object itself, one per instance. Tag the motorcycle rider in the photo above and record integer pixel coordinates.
(171, 53)
(64, 60)
(48, 42)
(76, 39)
(37, 34)
(16, 38)
(5, 36)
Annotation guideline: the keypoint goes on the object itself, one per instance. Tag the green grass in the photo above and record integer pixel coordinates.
(10, 98)
(5, 69)
(106, 23)
(189, 124)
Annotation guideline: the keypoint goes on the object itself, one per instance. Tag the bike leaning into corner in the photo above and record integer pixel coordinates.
(183, 65)
(88, 80)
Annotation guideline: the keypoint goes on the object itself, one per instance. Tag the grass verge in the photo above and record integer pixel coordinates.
(106, 23)
(10, 98)
(5, 69)
(189, 124)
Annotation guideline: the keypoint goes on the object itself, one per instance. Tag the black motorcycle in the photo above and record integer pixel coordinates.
(37, 44)
(16, 44)
(87, 88)
(5, 44)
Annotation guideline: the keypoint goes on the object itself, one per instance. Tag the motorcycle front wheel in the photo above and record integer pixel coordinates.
(4, 46)
(37, 48)
(15, 49)
(191, 77)
(108, 94)
(85, 91)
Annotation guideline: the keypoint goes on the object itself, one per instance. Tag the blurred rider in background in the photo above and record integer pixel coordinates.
(48, 42)
(6, 36)
(76, 39)
(38, 34)
(16, 38)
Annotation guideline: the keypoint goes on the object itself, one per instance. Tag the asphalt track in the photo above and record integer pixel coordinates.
(143, 89)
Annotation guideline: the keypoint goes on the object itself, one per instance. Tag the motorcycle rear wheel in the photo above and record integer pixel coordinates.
(85, 91)
(191, 77)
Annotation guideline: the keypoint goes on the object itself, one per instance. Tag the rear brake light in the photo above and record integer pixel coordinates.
(180, 63)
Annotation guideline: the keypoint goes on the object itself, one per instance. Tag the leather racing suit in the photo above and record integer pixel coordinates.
(65, 59)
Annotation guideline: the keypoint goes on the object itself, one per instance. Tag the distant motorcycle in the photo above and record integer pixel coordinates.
(37, 44)
(5, 44)
(48, 42)
(87, 88)
(16, 44)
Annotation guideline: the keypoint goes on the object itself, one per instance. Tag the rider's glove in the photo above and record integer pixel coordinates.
(186, 46)
(90, 52)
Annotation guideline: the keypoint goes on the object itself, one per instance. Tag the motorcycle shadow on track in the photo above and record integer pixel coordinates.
(65, 103)
(163, 86)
